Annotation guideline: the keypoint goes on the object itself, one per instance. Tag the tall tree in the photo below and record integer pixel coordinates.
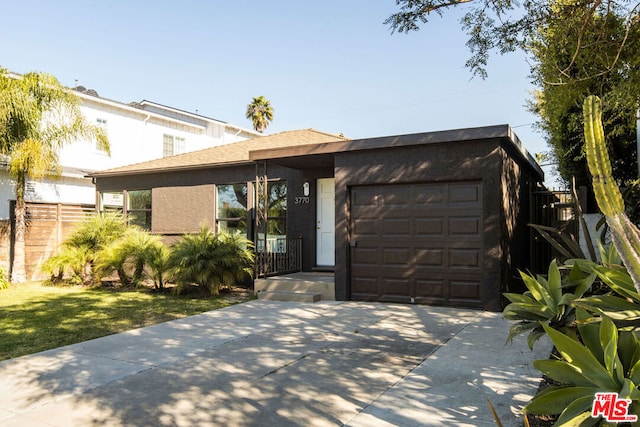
(260, 112)
(37, 117)
(571, 65)
(577, 48)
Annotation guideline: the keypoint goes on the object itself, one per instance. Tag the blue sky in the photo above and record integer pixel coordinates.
(330, 65)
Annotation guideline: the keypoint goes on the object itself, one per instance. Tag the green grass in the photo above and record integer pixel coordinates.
(34, 318)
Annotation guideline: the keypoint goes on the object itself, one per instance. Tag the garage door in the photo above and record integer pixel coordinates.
(417, 243)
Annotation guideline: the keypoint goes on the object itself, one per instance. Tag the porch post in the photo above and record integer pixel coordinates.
(261, 218)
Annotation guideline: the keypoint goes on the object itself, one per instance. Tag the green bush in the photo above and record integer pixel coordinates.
(4, 281)
(130, 254)
(210, 261)
(78, 252)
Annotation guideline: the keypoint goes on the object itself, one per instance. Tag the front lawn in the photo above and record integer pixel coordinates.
(34, 318)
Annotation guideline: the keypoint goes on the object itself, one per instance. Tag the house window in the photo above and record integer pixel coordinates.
(139, 208)
(172, 145)
(231, 216)
(277, 214)
(275, 239)
(111, 202)
(101, 123)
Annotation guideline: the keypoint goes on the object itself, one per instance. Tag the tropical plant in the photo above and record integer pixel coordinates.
(130, 254)
(260, 112)
(607, 358)
(4, 281)
(79, 251)
(209, 260)
(157, 264)
(547, 302)
(71, 263)
(237, 259)
(608, 361)
(37, 117)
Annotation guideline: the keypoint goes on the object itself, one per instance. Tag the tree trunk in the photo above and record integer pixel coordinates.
(18, 269)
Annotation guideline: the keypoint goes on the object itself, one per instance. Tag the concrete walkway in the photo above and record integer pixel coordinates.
(276, 364)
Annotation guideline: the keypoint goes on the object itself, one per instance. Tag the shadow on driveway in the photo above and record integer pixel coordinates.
(279, 364)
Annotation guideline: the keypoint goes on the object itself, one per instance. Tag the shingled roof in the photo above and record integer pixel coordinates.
(228, 154)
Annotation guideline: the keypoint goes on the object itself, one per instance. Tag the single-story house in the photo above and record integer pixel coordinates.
(429, 218)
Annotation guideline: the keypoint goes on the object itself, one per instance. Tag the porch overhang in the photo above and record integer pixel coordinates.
(300, 157)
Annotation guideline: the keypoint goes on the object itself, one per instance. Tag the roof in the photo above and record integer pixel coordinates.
(139, 108)
(228, 154)
(299, 155)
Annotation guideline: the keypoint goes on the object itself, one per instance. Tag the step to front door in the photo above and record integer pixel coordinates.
(292, 296)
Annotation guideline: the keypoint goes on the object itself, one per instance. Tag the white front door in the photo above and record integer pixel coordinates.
(326, 223)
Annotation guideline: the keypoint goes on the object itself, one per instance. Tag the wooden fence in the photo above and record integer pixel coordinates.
(48, 224)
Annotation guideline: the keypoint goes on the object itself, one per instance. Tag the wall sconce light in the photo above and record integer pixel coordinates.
(305, 189)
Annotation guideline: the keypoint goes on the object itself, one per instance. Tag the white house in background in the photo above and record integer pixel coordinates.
(138, 132)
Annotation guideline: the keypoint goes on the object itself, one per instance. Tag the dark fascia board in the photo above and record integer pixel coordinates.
(167, 169)
(502, 132)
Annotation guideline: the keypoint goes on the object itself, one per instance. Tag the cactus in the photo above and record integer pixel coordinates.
(625, 235)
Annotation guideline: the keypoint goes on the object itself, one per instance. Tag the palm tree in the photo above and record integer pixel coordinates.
(37, 117)
(260, 113)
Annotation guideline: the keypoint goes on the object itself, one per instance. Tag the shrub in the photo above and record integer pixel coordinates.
(210, 261)
(4, 281)
(79, 251)
(130, 254)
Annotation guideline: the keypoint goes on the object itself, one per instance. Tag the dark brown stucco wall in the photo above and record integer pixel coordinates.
(182, 200)
(517, 185)
(453, 161)
(177, 210)
(301, 217)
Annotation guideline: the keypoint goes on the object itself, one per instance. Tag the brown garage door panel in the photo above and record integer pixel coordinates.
(417, 243)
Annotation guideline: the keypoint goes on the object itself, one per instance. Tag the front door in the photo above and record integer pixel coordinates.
(326, 224)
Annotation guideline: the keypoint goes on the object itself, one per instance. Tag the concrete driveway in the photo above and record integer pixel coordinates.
(267, 363)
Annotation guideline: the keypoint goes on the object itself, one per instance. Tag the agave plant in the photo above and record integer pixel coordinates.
(209, 260)
(623, 306)
(546, 302)
(608, 361)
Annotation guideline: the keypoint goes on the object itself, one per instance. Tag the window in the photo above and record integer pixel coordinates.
(231, 216)
(172, 145)
(277, 214)
(101, 123)
(139, 208)
(111, 202)
(275, 240)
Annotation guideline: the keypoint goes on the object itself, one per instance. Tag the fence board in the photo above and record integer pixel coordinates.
(48, 224)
